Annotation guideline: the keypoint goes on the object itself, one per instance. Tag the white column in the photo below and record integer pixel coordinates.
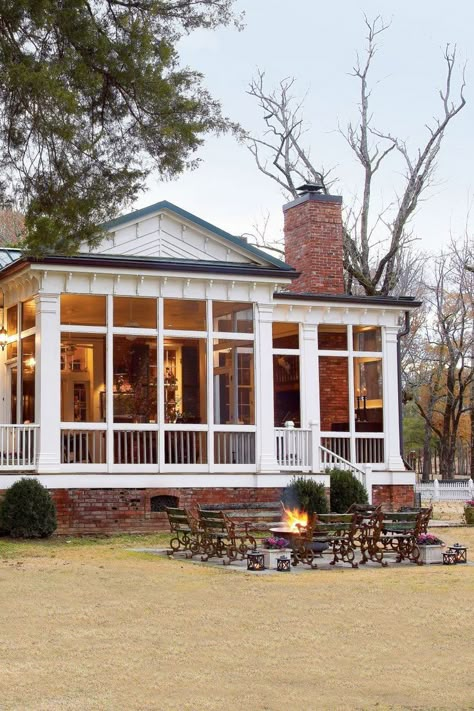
(309, 389)
(393, 458)
(265, 435)
(48, 382)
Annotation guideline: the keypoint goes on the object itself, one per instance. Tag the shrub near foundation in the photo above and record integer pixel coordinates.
(306, 495)
(345, 490)
(27, 511)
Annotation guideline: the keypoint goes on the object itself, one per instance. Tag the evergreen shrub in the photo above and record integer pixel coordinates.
(345, 490)
(27, 510)
(306, 495)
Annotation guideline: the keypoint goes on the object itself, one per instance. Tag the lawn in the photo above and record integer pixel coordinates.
(90, 625)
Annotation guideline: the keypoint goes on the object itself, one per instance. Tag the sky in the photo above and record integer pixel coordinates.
(316, 43)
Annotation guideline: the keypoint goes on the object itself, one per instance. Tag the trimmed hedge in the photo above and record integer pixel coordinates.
(345, 490)
(306, 495)
(27, 510)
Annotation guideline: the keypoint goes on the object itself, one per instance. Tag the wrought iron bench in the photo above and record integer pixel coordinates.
(388, 532)
(223, 538)
(185, 535)
(336, 532)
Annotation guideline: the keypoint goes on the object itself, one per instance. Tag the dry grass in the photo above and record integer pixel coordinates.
(89, 625)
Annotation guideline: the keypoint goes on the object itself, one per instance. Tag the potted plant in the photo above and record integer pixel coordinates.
(469, 512)
(431, 548)
(273, 548)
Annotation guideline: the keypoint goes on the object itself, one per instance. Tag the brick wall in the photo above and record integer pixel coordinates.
(392, 497)
(333, 391)
(105, 511)
(313, 243)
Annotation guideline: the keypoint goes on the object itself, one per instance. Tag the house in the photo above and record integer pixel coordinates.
(178, 363)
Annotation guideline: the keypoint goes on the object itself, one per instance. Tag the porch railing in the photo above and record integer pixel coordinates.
(330, 460)
(81, 446)
(293, 448)
(18, 445)
(234, 448)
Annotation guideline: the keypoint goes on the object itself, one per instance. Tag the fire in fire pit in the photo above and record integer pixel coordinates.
(295, 519)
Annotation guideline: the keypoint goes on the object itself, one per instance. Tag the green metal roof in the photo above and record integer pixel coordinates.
(232, 239)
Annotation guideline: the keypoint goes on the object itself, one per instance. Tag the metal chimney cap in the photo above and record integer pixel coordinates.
(310, 188)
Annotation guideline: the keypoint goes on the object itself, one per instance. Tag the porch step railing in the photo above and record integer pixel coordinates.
(330, 460)
(18, 447)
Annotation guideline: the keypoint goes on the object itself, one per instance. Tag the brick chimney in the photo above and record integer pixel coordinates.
(313, 241)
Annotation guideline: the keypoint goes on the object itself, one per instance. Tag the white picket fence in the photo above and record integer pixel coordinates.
(446, 490)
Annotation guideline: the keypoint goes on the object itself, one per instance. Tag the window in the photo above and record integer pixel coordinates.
(234, 395)
(12, 320)
(28, 315)
(229, 317)
(78, 310)
(134, 312)
(184, 315)
(82, 377)
(367, 338)
(285, 335)
(368, 395)
(332, 337)
(185, 392)
(286, 388)
(135, 379)
(28, 368)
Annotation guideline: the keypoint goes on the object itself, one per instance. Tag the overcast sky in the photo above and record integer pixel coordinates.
(316, 43)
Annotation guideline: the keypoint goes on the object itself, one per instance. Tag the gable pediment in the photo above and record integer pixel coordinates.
(165, 231)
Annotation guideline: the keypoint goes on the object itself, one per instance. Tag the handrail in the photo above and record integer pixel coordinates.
(359, 473)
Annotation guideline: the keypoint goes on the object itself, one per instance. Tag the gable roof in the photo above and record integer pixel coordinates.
(253, 253)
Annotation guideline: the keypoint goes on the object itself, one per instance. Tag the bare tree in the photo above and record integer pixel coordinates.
(372, 246)
(441, 372)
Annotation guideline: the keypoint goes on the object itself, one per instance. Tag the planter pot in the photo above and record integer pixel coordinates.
(271, 556)
(469, 515)
(431, 554)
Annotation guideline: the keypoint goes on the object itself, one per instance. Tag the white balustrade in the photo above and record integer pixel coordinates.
(18, 445)
(330, 460)
(185, 446)
(234, 447)
(293, 448)
(81, 446)
(369, 449)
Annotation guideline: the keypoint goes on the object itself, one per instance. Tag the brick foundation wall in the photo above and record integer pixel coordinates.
(392, 497)
(106, 511)
(313, 243)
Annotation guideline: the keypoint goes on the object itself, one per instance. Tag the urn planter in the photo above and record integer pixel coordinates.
(431, 554)
(271, 555)
(469, 515)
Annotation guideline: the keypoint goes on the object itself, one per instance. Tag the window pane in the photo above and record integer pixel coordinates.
(234, 396)
(12, 320)
(28, 315)
(12, 349)
(28, 368)
(185, 391)
(135, 379)
(184, 315)
(285, 335)
(368, 395)
(334, 393)
(78, 310)
(286, 386)
(332, 338)
(231, 317)
(367, 338)
(82, 377)
(134, 312)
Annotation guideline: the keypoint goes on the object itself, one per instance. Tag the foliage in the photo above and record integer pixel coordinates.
(273, 543)
(305, 494)
(345, 490)
(27, 510)
(93, 99)
(428, 539)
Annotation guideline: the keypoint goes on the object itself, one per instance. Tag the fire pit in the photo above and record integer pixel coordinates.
(292, 527)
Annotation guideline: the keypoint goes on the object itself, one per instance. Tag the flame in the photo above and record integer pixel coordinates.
(295, 519)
